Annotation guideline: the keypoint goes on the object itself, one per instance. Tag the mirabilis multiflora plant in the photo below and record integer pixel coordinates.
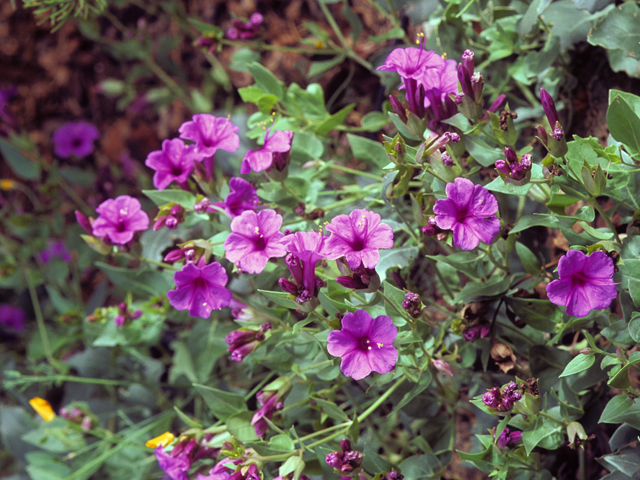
(385, 309)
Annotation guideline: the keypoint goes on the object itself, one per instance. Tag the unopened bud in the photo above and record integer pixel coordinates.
(447, 160)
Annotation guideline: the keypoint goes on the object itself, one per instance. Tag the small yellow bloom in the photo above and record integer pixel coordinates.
(165, 439)
(7, 184)
(42, 408)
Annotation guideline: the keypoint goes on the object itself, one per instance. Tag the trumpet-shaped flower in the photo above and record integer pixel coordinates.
(200, 290)
(173, 162)
(119, 219)
(259, 160)
(210, 134)
(357, 237)
(469, 210)
(12, 317)
(254, 239)
(243, 197)
(74, 138)
(365, 344)
(585, 283)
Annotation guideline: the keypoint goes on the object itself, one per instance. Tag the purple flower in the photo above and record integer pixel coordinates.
(243, 197)
(305, 250)
(200, 290)
(344, 460)
(365, 344)
(55, 250)
(173, 162)
(210, 134)
(442, 367)
(411, 62)
(74, 138)
(218, 472)
(254, 239)
(508, 438)
(119, 219)
(175, 467)
(469, 210)
(549, 108)
(259, 160)
(477, 331)
(6, 94)
(585, 283)
(12, 317)
(268, 406)
(244, 341)
(357, 237)
(441, 82)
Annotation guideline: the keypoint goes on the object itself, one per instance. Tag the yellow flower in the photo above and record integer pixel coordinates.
(42, 408)
(6, 184)
(165, 439)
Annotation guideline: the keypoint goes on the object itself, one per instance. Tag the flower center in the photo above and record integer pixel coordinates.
(76, 142)
(358, 245)
(259, 243)
(365, 344)
(120, 226)
(461, 215)
(176, 171)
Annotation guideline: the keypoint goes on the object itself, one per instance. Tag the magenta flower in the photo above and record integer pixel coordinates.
(74, 138)
(357, 237)
(243, 197)
(259, 160)
(254, 239)
(55, 250)
(441, 81)
(6, 94)
(245, 340)
(585, 283)
(12, 317)
(508, 438)
(218, 472)
(175, 467)
(411, 62)
(305, 250)
(210, 134)
(173, 162)
(469, 210)
(269, 403)
(119, 219)
(365, 344)
(200, 290)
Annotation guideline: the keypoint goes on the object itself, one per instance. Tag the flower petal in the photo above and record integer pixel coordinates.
(355, 364)
(340, 342)
(573, 262)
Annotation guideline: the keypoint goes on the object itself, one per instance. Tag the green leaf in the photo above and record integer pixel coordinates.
(266, 80)
(242, 58)
(206, 27)
(374, 121)
(182, 363)
(624, 125)
(374, 463)
(331, 409)
(466, 262)
(423, 382)
(162, 197)
(484, 154)
(478, 290)
(306, 146)
(334, 120)
(499, 185)
(619, 30)
(634, 327)
(281, 298)
(239, 425)
(371, 152)
(395, 295)
(396, 32)
(540, 430)
(222, 404)
(395, 257)
(144, 282)
(578, 364)
(528, 259)
(317, 68)
(630, 265)
(539, 314)
(186, 419)
(282, 443)
(622, 409)
(528, 221)
(20, 165)
(419, 467)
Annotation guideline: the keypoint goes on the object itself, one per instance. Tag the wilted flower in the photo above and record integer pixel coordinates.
(469, 210)
(218, 472)
(477, 331)
(513, 169)
(254, 239)
(6, 94)
(259, 160)
(119, 219)
(357, 237)
(74, 138)
(125, 316)
(200, 290)
(12, 317)
(270, 399)
(173, 162)
(585, 284)
(503, 399)
(345, 460)
(364, 344)
(361, 278)
(177, 463)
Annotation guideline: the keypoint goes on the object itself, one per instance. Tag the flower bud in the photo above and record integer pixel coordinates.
(549, 107)
(502, 166)
(525, 161)
(497, 103)
(467, 60)
(442, 367)
(398, 108)
(84, 222)
(542, 134)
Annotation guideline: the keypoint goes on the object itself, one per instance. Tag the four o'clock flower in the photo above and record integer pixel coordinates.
(210, 134)
(585, 283)
(346, 461)
(12, 317)
(357, 237)
(469, 210)
(119, 219)
(200, 290)
(173, 162)
(254, 239)
(365, 344)
(243, 197)
(270, 399)
(507, 438)
(245, 340)
(553, 141)
(305, 250)
(74, 138)
(274, 143)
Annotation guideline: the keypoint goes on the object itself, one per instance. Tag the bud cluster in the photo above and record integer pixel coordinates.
(244, 341)
(513, 169)
(503, 399)
(412, 304)
(246, 30)
(125, 317)
(76, 415)
(345, 460)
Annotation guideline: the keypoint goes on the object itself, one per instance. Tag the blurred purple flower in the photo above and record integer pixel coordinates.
(585, 284)
(469, 210)
(411, 62)
(242, 197)
(55, 250)
(477, 331)
(245, 30)
(12, 317)
(259, 160)
(74, 138)
(119, 219)
(440, 81)
(200, 290)
(364, 344)
(269, 403)
(507, 438)
(6, 94)
(218, 472)
(175, 467)
(173, 162)
(357, 237)
(244, 341)
(210, 134)
(254, 239)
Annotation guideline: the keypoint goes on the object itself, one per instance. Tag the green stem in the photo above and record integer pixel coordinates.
(355, 172)
(67, 378)
(381, 400)
(488, 253)
(402, 314)
(551, 417)
(321, 432)
(74, 196)
(606, 218)
(39, 318)
(159, 264)
(266, 47)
